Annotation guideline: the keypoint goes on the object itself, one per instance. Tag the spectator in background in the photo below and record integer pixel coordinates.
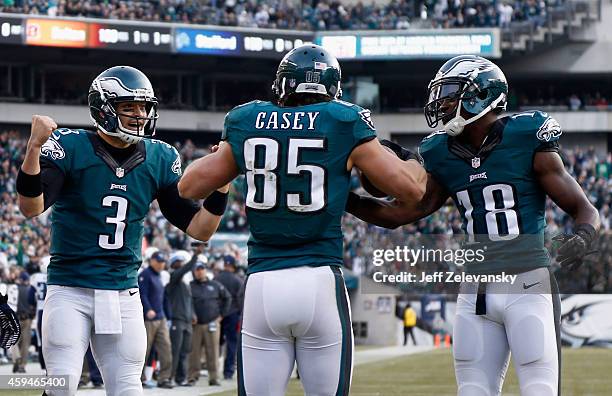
(575, 103)
(229, 325)
(155, 312)
(410, 321)
(181, 307)
(25, 314)
(211, 302)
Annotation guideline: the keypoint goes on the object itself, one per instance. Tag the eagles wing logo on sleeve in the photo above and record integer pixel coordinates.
(52, 149)
(550, 129)
(367, 118)
(176, 166)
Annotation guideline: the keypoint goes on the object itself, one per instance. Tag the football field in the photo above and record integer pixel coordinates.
(586, 372)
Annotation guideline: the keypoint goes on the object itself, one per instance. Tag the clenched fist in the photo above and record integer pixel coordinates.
(42, 126)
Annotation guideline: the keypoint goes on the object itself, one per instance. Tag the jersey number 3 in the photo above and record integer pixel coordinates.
(104, 241)
(267, 197)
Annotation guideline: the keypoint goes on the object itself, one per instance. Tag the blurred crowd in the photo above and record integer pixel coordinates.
(24, 242)
(191, 292)
(304, 15)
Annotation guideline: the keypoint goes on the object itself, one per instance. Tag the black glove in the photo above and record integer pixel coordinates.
(402, 153)
(574, 247)
(10, 330)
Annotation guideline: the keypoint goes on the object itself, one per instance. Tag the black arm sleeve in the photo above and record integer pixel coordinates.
(177, 210)
(52, 179)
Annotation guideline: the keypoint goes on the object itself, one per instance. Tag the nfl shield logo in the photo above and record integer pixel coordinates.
(120, 172)
(292, 83)
(475, 162)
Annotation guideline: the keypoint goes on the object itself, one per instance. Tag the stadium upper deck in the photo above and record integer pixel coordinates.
(307, 15)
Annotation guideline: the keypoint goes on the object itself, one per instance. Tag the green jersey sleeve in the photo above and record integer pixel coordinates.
(235, 130)
(429, 150)
(540, 130)
(171, 166)
(59, 148)
(363, 129)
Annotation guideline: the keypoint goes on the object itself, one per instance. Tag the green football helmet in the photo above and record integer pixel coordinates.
(308, 69)
(466, 82)
(122, 84)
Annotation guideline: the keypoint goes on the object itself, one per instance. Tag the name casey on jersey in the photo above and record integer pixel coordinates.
(299, 120)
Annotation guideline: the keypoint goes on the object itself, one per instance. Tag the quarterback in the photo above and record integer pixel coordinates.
(297, 154)
(101, 186)
(498, 171)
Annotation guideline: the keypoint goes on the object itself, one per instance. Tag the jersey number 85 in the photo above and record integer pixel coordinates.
(263, 194)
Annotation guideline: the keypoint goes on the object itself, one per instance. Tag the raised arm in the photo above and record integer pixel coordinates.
(30, 182)
(392, 214)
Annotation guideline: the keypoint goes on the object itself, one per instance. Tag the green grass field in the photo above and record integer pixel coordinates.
(586, 372)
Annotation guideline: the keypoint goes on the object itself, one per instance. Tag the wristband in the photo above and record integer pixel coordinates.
(215, 203)
(29, 185)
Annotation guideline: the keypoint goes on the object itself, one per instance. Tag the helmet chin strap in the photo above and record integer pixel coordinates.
(455, 126)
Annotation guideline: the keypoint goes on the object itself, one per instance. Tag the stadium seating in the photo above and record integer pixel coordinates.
(307, 15)
(24, 241)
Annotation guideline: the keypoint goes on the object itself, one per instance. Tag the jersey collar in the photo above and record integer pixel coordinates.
(137, 157)
(476, 157)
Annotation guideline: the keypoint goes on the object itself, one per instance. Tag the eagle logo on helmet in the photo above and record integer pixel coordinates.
(468, 68)
(52, 149)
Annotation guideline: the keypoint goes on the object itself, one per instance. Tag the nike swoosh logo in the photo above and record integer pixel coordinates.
(131, 294)
(530, 286)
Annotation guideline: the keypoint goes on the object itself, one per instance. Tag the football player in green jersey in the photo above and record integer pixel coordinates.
(297, 154)
(498, 171)
(100, 186)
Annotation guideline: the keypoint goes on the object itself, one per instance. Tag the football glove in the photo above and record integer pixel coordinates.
(10, 330)
(574, 247)
(402, 153)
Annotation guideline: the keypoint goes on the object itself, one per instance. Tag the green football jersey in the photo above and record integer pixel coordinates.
(97, 220)
(294, 160)
(496, 191)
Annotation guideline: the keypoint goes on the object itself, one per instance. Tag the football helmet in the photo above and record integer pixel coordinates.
(466, 82)
(122, 84)
(307, 69)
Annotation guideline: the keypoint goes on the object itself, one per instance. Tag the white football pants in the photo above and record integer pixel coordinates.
(68, 328)
(296, 315)
(523, 319)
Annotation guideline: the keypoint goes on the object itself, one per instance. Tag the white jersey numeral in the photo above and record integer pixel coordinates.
(492, 212)
(104, 241)
(267, 190)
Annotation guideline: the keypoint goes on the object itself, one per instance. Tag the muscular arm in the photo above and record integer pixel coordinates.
(561, 187)
(205, 175)
(396, 213)
(186, 214)
(404, 180)
(41, 129)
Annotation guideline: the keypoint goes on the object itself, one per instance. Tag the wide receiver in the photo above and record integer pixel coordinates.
(101, 186)
(498, 172)
(297, 155)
